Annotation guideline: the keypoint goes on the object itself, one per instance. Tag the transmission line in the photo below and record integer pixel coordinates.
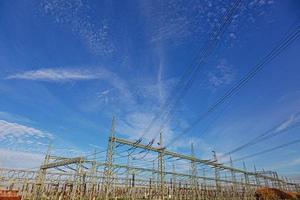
(268, 150)
(189, 75)
(212, 43)
(285, 43)
(266, 135)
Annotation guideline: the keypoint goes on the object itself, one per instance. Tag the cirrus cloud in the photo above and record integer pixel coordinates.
(51, 74)
(20, 159)
(8, 129)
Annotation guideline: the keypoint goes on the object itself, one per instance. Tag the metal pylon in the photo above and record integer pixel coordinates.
(41, 175)
(108, 171)
(161, 167)
(217, 173)
(194, 173)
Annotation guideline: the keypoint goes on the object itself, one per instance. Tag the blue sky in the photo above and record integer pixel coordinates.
(68, 67)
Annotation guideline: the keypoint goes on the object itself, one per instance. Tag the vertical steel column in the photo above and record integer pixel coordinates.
(233, 179)
(246, 192)
(217, 173)
(161, 167)
(93, 177)
(108, 172)
(174, 187)
(128, 180)
(257, 180)
(41, 175)
(194, 174)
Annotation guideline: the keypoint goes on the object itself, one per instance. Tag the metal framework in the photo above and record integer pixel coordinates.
(133, 170)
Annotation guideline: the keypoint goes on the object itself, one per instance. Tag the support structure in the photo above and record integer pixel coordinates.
(134, 170)
(108, 171)
(161, 166)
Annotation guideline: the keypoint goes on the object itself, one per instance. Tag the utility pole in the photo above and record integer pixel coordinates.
(128, 179)
(108, 172)
(80, 179)
(128, 170)
(194, 172)
(246, 181)
(277, 182)
(132, 186)
(42, 175)
(161, 166)
(217, 173)
(233, 179)
(93, 176)
(174, 183)
(256, 177)
(266, 180)
(153, 175)
(204, 183)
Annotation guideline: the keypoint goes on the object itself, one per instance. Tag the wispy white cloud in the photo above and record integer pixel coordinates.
(74, 15)
(24, 146)
(18, 137)
(287, 123)
(51, 74)
(80, 74)
(147, 96)
(106, 96)
(133, 125)
(160, 85)
(19, 159)
(177, 20)
(221, 75)
(11, 129)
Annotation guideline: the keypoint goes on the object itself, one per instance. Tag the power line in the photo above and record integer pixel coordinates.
(291, 37)
(266, 135)
(189, 75)
(268, 150)
(202, 61)
(95, 153)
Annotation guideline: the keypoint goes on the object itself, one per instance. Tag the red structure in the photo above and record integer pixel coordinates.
(9, 195)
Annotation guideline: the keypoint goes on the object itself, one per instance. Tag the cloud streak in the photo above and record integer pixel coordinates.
(8, 129)
(176, 20)
(66, 74)
(55, 75)
(19, 159)
(287, 123)
(73, 15)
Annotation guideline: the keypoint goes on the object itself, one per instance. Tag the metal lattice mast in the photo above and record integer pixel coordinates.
(93, 175)
(161, 166)
(174, 182)
(246, 181)
(194, 172)
(56, 184)
(108, 171)
(41, 176)
(217, 173)
(153, 174)
(204, 180)
(265, 179)
(233, 177)
(127, 182)
(256, 177)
